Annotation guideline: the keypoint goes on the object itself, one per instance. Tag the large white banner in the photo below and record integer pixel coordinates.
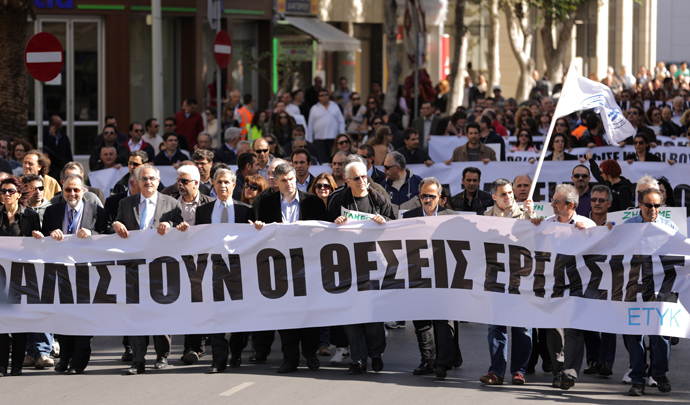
(222, 278)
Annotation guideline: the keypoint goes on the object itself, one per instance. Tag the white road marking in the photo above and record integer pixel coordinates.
(236, 389)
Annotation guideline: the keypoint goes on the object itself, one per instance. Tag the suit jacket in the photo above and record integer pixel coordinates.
(419, 212)
(112, 205)
(29, 221)
(167, 210)
(94, 218)
(98, 192)
(243, 212)
(310, 208)
(418, 124)
(225, 155)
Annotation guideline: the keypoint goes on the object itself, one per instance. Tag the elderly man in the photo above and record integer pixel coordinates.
(367, 339)
(650, 200)
(36, 163)
(326, 121)
(74, 216)
(471, 198)
(567, 346)
(93, 195)
(146, 210)
(263, 156)
(401, 184)
(521, 186)
(435, 338)
(337, 164)
(223, 210)
(505, 206)
(227, 153)
(290, 205)
(188, 181)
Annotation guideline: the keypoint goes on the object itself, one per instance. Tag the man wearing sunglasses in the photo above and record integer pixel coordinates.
(109, 138)
(263, 156)
(581, 177)
(650, 201)
(38, 203)
(136, 142)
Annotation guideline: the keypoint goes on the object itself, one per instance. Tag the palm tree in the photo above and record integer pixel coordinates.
(14, 97)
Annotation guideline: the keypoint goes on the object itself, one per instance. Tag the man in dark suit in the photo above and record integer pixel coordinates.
(56, 146)
(287, 206)
(224, 210)
(435, 338)
(227, 152)
(171, 155)
(74, 215)
(146, 210)
(426, 124)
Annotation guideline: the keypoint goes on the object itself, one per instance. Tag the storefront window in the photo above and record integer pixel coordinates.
(244, 47)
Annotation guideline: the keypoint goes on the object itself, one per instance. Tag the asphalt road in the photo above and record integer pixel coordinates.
(105, 383)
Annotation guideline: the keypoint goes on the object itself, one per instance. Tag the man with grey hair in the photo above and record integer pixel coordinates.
(366, 340)
(243, 147)
(650, 200)
(227, 153)
(435, 338)
(190, 198)
(205, 142)
(290, 205)
(400, 184)
(567, 346)
(645, 182)
(506, 207)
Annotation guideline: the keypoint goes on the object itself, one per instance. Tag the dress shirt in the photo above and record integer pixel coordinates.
(290, 210)
(304, 187)
(573, 220)
(427, 125)
(432, 215)
(218, 211)
(134, 146)
(639, 219)
(150, 209)
(325, 123)
(189, 208)
(77, 220)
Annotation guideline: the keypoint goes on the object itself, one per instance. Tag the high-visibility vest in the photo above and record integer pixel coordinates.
(245, 119)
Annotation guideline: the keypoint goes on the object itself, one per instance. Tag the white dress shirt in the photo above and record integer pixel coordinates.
(218, 211)
(325, 123)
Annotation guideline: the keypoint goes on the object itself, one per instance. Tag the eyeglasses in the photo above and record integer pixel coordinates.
(260, 151)
(251, 186)
(39, 188)
(185, 181)
(9, 191)
(359, 178)
(650, 206)
(71, 190)
(428, 196)
(555, 201)
(345, 142)
(388, 167)
(523, 136)
(376, 123)
(599, 200)
(323, 95)
(580, 176)
(561, 124)
(355, 98)
(200, 163)
(633, 112)
(139, 130)
(109, 133)
(559, 140)
(322, 186)
(150, 178)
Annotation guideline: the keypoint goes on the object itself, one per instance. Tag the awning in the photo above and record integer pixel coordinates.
(331, 38)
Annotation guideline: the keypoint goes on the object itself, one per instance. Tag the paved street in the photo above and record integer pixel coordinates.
(104, 382)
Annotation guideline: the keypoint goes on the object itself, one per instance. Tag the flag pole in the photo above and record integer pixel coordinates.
(543, 154)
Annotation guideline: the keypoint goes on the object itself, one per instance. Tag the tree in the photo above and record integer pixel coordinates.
(493, 59)
(14, 96)
(390, 25)
(456, 93)
(521, 33)
(559, 18)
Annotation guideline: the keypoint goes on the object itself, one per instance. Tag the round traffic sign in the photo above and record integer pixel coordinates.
(43, 57)
(222, 49)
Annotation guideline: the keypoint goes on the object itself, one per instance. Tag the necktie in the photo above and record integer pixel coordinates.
(224, 214)
(142, 216)
(70, 219)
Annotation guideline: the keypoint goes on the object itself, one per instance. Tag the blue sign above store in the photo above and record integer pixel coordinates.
(64, 4)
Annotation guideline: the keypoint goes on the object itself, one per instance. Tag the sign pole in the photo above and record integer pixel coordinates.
(39, 115)
(219, 98)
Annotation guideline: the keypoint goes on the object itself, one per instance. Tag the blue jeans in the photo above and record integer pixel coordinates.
(39, 344)
(601, 347)
(498, 348)
(660, 352)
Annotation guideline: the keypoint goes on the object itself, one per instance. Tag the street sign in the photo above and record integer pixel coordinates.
(222, 49)
(43, 57)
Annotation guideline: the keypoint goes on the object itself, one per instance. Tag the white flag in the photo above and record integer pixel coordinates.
(580, 94)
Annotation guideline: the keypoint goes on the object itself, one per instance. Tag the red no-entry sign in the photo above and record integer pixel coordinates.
(222, 49)
(43, 57)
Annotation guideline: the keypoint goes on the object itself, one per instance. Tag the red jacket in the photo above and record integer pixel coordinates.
(189, 127)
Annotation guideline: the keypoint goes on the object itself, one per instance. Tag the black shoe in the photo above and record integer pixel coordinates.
(128, 355)
(2, 371)
(457, 361)
(190, 357)
(257, 358)
(287, 367)
(637, 390)
(215, 370)
(61, 367)
(235, 362)
(530, 370)
(557, 381)
(605, 369)
(662, 383)
(356, 368)
(592, 368)
(137, 368)
(16, 371)
(161, 363)
(377, 364)
(547, 367)
(313, 363)
(567, 382)
(75, 371)
(440, 372)
(423, 369)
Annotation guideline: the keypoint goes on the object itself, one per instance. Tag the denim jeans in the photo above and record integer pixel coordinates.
(601, 347)
(498, 348)
(366, 339)
(660, 352)
(39, 344)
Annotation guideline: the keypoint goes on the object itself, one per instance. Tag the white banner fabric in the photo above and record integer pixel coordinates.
(216, 278)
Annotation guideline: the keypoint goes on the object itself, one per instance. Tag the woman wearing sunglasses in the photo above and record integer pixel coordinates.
(15, 220)
(253, 185)
(524, 142)
(323, 186)
(558, 145)
(343, 142)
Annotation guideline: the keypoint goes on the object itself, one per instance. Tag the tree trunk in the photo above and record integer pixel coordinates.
(390, 25)
(14, 97)
(554, 55)
(493, 58)
(457, 65)
(521, 35)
